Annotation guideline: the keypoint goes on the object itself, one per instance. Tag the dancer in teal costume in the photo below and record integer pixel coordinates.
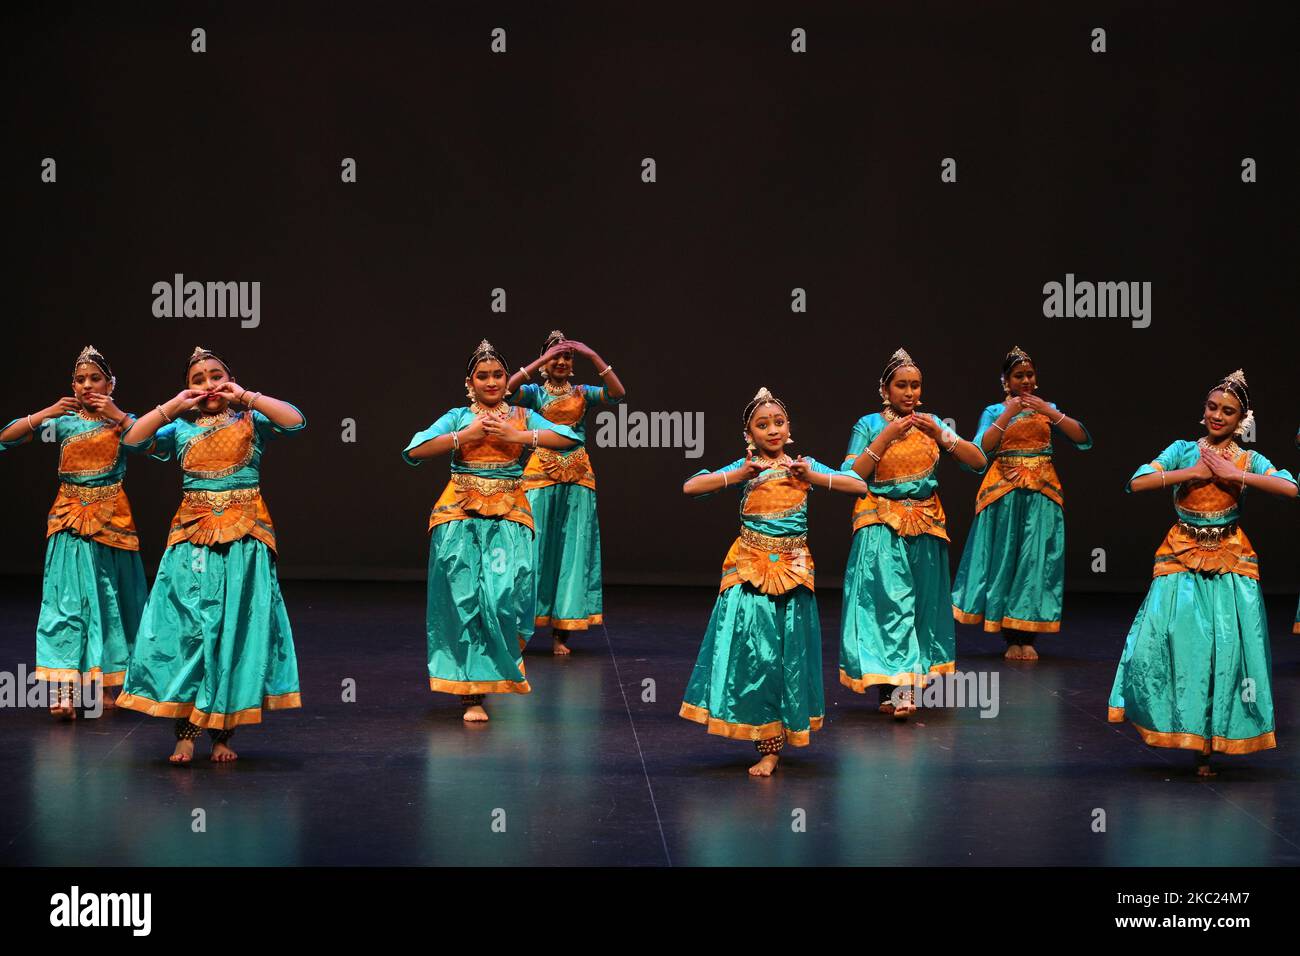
(481, 590)
(758, 675)
(215, 647)
(1012, 573)
(561, 489)
(93, 589)
(897, 628)
(1195, 670)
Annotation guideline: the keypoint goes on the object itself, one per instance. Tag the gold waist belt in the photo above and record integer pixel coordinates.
(87, 495)
(1210, 536)
(485, 486)
(1024, 461)
(765, 542)
(219, 499)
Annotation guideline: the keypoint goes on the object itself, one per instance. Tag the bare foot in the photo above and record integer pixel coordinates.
(475, 714)
(1014, 653)
(221, 753)
(1027, 652)
(886, 707)
(109, 701)
(1203, 769)
(764, 767)
(558, 646)
(905, 706)
(64, 712)
(183, 753)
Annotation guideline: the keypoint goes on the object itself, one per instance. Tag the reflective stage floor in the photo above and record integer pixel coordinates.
(595, 766)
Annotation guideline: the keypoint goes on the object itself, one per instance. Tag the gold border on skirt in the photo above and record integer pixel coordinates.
(859, 685)
(723, 728)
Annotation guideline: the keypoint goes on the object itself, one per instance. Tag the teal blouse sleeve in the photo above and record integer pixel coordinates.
(162, 446)
(819, 467)
(267, 429)
(1259, 465)
(1087, 435)
(599, 395)
(863, 435)
(706, 471)
(987, 418)
(537, 421)
(1168, 460)
(126, 445)
(445, 425)
(528, 395)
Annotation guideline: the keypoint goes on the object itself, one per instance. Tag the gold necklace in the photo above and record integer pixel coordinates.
(499, 410)
(220, 418)
(1229, 449)
(84, 416)
(564, 389)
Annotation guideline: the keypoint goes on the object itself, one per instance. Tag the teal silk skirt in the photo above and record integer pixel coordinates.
(897, 622)
(91, 601)
(759, 671)
(480, 606)
(215, 644)
(568, 557)
(1012, 571)
(1195, 669)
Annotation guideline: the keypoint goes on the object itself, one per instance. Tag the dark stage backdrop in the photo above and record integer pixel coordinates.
(775, 170)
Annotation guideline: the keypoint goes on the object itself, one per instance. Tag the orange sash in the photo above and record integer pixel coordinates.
(547, 467)
(100, 514)
(772, 565)
(1219, 549)
(1032, 469)
(219, 517)
(466, 495)
(469, 495)
(907, 516)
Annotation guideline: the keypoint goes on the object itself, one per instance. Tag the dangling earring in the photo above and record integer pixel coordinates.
(469, 393)
(789, 440)
(749, 442)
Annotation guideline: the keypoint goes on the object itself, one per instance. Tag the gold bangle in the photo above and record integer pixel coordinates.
(999, 428)
(723, 473)
(873, 454)
(608, 369)
(159, 410)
